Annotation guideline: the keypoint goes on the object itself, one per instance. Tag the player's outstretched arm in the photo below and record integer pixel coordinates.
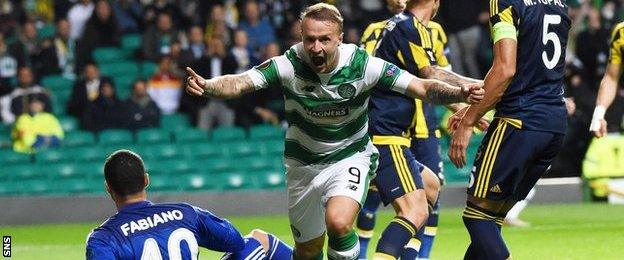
(438, 92)
(227, 86)
(606, 95)
(435, 72)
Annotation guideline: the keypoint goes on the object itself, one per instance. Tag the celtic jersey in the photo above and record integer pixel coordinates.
(327, 112)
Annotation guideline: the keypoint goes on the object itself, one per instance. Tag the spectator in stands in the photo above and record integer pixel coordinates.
(215, 63)
(101, 29)
(140, 110)
(217, 25)
(259, 30)
(196, 44)
(165, 87)
(27, 47)
(58, 55)
(129, 15)
(464, 33)
(294, 35)
(36, 129)
(155, 8)
(105, 112)
(158, 38)
(180, 59)
(78, 16)
(242, 53)
(16, 103)
(8, 67)
(85, 90)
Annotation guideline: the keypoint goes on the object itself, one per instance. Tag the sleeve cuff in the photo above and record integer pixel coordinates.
(257, 78)
(402, 82)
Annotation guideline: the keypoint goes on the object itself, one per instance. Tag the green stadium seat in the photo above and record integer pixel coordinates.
(242, 149)
(199, 182)
(148, 69)
(8, 156)
(123, 84)
(130, 43)
(171, 167)
(216, 166)
(68, 123)
(36, 187)
(78, 139)
(191, 135)
(46, 31)
(206, 150)
(164, 183)
(266, 132)
(85, 154)
(92, 170)
(175, 122)
(107, 55)
(52, 156)
(78, 186)
(119, 68)
(115, 137)
(254, 164)
(271, 179)
(236, 181)
(8, 188)
(57, 83)
(153, 136)
(63, 171)
(23, 171)
(274, 147)
(228, 134)
(5, 141)
(161, 151)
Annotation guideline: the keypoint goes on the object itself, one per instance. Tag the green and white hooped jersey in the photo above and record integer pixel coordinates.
(327, 113)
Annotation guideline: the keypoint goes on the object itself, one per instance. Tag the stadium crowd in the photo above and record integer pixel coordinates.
(42, 39)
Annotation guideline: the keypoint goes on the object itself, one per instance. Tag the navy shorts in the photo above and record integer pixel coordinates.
(510, 160)
(427, 152)
(398, 172)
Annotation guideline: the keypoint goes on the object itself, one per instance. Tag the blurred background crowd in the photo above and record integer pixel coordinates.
(111, 64)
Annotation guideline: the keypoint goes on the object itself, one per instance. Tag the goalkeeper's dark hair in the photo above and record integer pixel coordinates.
(125, 173)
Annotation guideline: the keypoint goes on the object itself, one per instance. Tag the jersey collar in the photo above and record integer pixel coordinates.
(136, 205)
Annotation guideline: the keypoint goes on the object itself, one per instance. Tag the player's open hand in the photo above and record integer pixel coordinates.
(473, 93)
(459, 143)
(194, 83)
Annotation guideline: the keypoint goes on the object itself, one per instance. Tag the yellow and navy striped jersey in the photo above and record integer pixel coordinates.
(407, 43)
(534, 97)
(440, 40)
(371, 36)
(617, 44)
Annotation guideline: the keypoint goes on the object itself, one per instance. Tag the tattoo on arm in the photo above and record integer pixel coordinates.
(441, 93)
(228, 86)
(451, 77)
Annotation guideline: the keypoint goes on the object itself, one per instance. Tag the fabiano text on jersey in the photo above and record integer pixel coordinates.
(545, 2)
(150, 222)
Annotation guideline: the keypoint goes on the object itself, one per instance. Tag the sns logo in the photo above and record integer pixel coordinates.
(6, 246)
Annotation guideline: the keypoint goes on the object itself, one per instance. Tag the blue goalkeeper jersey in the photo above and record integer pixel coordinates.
(145, 230)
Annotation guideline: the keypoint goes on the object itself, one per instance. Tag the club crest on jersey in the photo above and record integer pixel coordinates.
(264, 65)
(392, 69)
(346, 90)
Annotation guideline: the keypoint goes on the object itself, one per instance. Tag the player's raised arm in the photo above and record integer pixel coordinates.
(226, 86)
(606, 95)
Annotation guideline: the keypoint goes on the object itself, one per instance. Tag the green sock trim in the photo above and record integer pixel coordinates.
(343, 243)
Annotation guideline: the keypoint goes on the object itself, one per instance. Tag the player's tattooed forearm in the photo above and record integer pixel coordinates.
(441, 93)
(228, 86)
(451, 78)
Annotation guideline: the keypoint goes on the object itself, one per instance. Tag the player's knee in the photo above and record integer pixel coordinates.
(432, 185)
(339, 225)
(416, 215)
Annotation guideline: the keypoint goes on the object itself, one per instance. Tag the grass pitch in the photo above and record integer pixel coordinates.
(578, 231)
